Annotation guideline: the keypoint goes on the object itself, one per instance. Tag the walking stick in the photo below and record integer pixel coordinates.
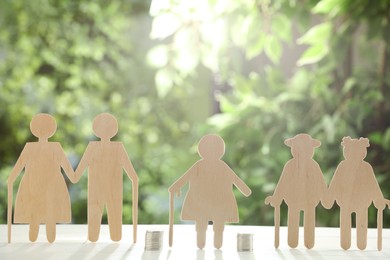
(9, 213)
(171, 217)
(380, 226)
(135, 212)
(277, 225)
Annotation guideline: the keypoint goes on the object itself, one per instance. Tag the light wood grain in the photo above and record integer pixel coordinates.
(302, 187)
(210, 196)
(105, 161)
(42, 196)
(354, 187)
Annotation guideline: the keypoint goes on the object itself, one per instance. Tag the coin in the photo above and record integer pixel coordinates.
(244, 242)
(153, 240)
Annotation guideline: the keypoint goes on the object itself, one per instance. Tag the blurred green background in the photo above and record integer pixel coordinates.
(253, 71)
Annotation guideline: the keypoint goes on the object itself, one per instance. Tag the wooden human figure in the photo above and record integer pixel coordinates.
(105, 161)
(210, 196)
(42, 196)
(354, 188)
(301, 186)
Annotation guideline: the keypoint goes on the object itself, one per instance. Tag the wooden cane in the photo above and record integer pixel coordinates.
(135, 212)
(9, 213)
(277, 225)
(171, 217)
(380, 226)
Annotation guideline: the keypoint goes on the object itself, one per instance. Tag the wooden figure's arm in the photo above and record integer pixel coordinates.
(276, 199)
(65, 164)
(372, 185)
(19, 165)
(381, 203)
(387, 203)
(240, 184)
(84, 163)
(330, 195)
(128, 166)
(323, 188)
(176, 186)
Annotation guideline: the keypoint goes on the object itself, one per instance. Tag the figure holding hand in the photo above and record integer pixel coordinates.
(354, 188)
(105, 161)
(42, 195)
(301, 186)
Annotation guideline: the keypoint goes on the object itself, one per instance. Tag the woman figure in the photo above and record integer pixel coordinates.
(210, 196)
(354, 188)
(42, 196)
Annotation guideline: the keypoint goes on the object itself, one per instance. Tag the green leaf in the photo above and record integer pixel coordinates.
(164, 25)
(318, 34)
(256, 48)
(164, 82)
(313, 55)
(330, 7)
(349, 84)
(158, 56)
(281, 26)
(273, 48)
(376, 138)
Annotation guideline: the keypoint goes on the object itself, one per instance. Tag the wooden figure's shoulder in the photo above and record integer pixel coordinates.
(290, 164)
(342, 165)
(316, 164)
(29, 144)
(93, 143)
(367, 166)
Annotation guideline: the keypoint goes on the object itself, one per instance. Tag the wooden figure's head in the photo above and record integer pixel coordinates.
(43, 126)
(211, 147)
(302, 145)
(355, 148)
(105, 126)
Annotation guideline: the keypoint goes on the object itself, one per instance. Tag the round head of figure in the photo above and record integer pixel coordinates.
(105, 126)
(211, 147)
(355, 148)
(43, 126)
(302, 145)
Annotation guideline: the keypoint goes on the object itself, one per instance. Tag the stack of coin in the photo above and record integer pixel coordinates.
(244, 242)
(153, 240)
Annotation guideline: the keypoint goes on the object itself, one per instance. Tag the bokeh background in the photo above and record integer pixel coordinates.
(253, 71)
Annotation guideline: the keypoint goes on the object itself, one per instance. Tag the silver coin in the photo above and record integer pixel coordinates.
(244, 242)
(153, 240)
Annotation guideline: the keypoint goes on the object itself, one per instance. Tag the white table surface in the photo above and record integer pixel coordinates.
(71, 243)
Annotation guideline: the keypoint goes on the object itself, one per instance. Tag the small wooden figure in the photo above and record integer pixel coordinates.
(210, 196)
(105, 160)
(301, 186)
(42, 195)
(354, 188)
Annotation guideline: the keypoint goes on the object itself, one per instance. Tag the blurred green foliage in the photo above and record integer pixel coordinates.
(171, 71)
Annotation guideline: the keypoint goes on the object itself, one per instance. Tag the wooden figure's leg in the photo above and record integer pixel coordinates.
(218, 227)
(201, 228)
(309, 227)
(95, 212)
(345, 229)
(293, 227)
(114, 217)
(34, 230)
(361, 228)
(51, 232)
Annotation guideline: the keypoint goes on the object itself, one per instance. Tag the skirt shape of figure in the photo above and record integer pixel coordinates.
(42, 187)
(204, 201)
